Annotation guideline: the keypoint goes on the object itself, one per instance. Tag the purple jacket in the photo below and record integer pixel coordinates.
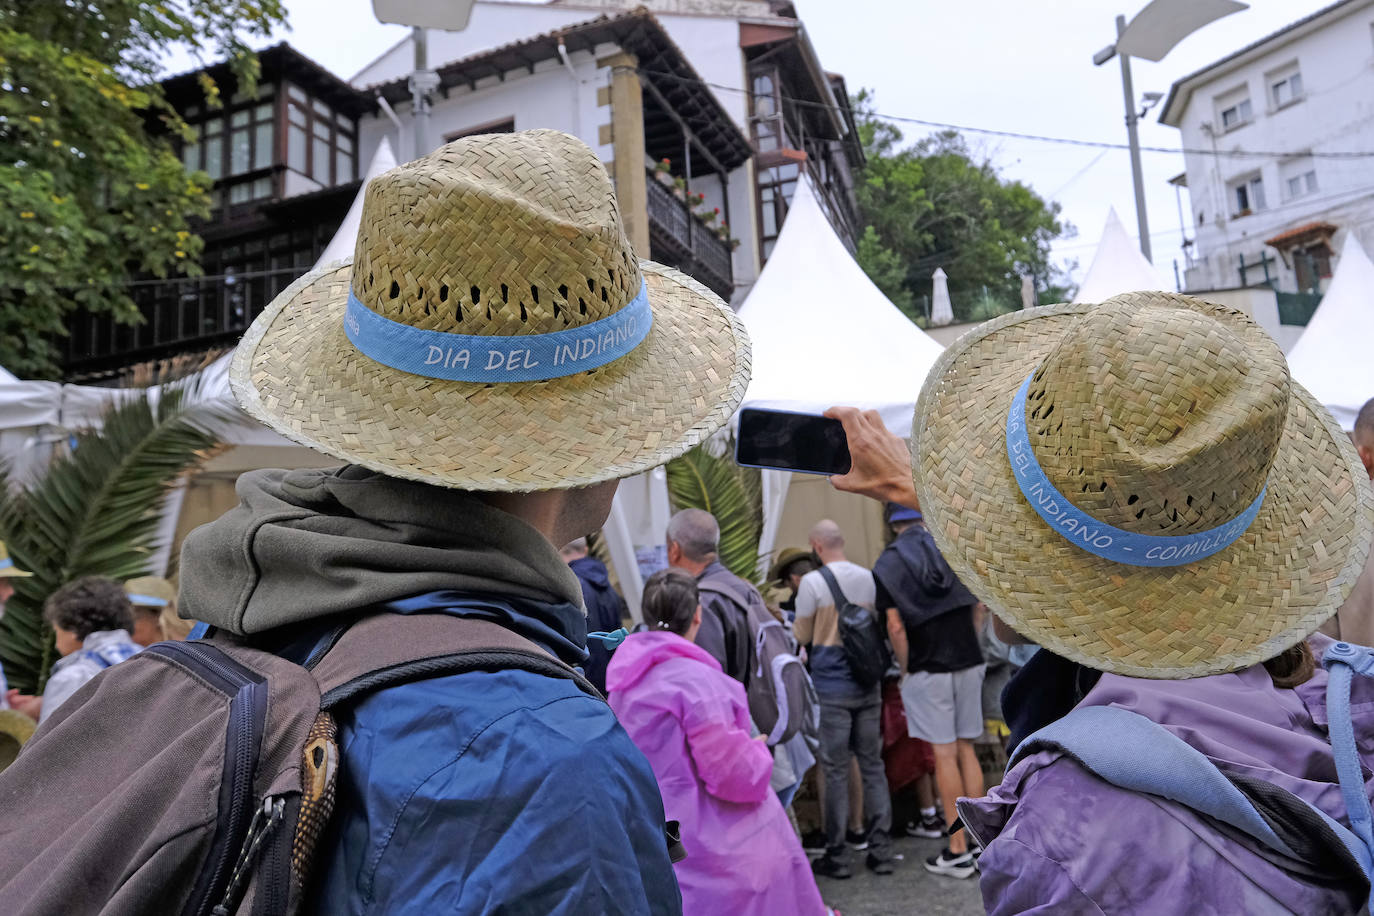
(1061, 840)
(691, 720)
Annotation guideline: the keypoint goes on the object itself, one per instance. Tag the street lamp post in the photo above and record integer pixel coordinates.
(448, 15)
(1152, 34)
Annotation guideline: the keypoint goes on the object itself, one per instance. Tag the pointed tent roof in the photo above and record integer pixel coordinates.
(824, 334)
(1331, 358)
(1117, 265)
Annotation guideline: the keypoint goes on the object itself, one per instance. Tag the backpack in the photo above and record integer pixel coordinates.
(863, 637)
(1132, 752)
(210, 798)
(782, 699)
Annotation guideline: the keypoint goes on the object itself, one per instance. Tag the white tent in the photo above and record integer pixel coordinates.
(1331, 359)
(822, 335)
(1117, 265)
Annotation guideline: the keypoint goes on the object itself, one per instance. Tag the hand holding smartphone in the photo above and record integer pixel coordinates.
(787, 441)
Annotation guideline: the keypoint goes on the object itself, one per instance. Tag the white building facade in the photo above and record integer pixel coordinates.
(519, 66)
(1300, 100)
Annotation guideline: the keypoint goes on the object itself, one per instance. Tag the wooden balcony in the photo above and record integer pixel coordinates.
(678, 238)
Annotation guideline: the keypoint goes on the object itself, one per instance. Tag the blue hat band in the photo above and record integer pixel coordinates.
(488, 358)
(148, 601)
(1087, 533)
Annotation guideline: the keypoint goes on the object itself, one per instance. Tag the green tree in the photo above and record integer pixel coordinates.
(91, 189)
(937, 203)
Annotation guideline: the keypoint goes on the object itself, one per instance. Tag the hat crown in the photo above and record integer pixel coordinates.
(505, 235)
(1159, 414)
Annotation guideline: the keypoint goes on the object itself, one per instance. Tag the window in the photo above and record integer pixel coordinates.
(767, 117)
(1286, 90)
(1249, 196)
(1300, 185)
(232, 143)
(1236, 115)
(320, 141)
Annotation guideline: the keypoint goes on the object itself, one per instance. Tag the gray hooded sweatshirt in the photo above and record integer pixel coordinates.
(310, 543)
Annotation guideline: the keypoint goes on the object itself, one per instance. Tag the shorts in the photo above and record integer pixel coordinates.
(942, 706)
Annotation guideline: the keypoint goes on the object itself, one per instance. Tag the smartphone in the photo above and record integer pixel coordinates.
(790, 441)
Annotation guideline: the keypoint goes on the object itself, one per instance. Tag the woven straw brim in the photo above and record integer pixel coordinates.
(1269, 590)
(15, 731)
(296, 371)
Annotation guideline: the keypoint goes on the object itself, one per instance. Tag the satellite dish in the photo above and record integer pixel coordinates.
(447, 15)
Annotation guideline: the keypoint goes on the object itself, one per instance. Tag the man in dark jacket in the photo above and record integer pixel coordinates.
(605, 607)
(694, 545)
(449, 367)
(930, 623)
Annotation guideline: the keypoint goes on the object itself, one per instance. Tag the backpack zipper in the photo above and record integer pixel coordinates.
(242, 740)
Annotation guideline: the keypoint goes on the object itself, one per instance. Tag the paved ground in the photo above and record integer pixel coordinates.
(909, 890)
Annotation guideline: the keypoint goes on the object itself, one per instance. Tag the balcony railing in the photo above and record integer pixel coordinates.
(178, 316)
(679, 239)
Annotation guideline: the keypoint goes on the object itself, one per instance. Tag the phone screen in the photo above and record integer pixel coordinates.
(791, 442)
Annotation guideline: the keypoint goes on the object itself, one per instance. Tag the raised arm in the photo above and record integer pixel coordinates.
(880, 462)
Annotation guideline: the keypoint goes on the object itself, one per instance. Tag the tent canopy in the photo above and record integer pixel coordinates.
(823, 334)
(1117, 266)
(1331, 359)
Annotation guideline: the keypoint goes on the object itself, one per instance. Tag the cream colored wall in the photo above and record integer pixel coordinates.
(811, 498)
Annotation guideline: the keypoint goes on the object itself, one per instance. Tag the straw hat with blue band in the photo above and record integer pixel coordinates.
(7, 568)
(495, 331)
(1139, 486)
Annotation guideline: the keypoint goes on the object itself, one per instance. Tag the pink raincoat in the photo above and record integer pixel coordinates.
(692, 722)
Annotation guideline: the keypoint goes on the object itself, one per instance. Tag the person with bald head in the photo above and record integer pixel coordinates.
(694, 546)
(851, 714)
(1354, 622)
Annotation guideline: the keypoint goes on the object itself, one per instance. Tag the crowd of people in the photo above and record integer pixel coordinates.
(412, 687)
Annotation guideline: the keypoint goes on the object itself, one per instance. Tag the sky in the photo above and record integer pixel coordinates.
(1015, 65)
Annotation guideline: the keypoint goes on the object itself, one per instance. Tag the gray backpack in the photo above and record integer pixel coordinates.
(195, 778)
(782, 699)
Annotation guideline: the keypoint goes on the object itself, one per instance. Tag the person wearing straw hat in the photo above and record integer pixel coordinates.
(8, 572)
(1141, 489)
(1354, 622)
(151, 597)
(490, 363)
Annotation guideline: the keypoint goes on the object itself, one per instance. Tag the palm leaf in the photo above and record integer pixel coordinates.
(734, 495)
(95, 511)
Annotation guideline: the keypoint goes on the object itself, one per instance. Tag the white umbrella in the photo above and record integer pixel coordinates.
(941, 311)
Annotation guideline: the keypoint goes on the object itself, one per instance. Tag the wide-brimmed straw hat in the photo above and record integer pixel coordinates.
(15, 731)
(152, 592)
(7, 568)
(494, 331)
(1139, 486)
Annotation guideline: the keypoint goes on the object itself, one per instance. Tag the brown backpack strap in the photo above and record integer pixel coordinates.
(382, 650)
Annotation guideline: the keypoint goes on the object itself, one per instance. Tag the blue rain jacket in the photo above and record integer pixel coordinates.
(494, 792)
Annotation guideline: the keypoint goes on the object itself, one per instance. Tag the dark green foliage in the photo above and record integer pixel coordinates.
(938, 203)
(734, 495)
(89, 195)
(95, 512)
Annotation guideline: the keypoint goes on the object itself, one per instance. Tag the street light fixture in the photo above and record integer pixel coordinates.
(448, 15)
(1153, 33)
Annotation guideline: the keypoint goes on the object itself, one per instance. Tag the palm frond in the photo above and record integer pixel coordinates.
(734, 495)
(95, 511)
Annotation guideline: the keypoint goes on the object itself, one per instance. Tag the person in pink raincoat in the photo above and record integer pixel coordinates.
(692, 721)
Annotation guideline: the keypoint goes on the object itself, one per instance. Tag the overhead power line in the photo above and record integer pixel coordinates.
(1040, 138)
